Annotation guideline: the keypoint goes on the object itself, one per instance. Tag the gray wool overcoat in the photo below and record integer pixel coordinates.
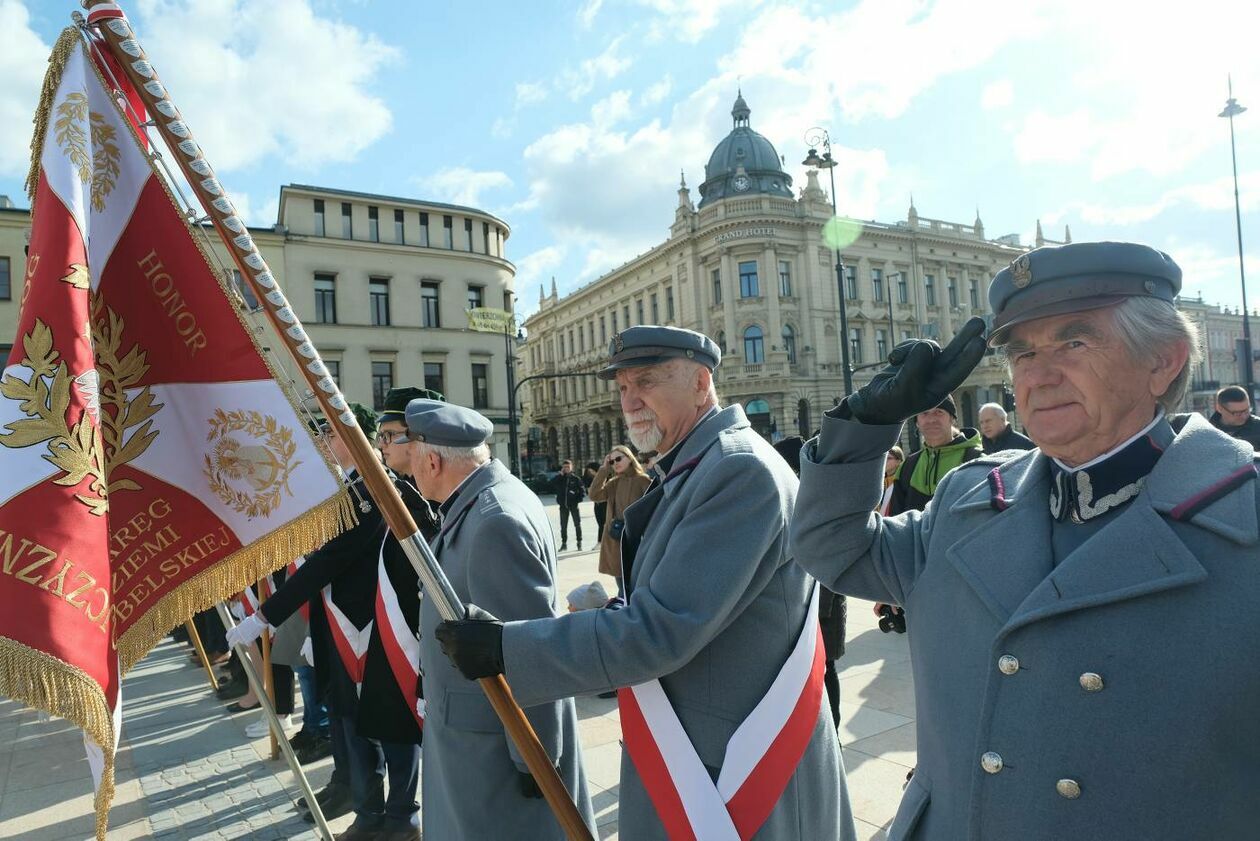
(1113, 695)
(497, 549)
(715, 607)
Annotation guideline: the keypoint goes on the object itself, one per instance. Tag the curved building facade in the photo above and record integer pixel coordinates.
(749, 268)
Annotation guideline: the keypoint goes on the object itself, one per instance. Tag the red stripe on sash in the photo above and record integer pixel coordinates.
(757, 797)
(652, 770)
(404, 675)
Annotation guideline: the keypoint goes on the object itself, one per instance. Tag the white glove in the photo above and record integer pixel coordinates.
(308, 654)
(250, 629)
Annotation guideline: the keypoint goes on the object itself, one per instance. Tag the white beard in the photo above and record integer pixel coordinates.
(644, 441)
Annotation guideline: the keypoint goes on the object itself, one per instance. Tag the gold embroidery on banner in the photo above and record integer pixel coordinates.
(101, 169)
(78, 450)
(78, 277)
(263, 465)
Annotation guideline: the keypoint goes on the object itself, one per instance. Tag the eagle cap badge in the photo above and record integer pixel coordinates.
(1021, 271)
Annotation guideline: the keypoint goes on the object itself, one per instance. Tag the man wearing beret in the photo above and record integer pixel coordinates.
(497, 550)
(376, 725)
(716, 653)
(1084, 632)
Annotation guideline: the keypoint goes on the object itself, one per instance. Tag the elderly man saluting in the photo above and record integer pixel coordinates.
(716, 652)
(1080, 609)
(496, 548)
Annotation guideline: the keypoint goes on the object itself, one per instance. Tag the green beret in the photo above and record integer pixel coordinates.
(396, 400)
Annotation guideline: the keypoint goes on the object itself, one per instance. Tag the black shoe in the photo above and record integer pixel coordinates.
(579, 546)
(302, 738)
(315, 751)
(563, 546)
(324, 795)
(335, 806)
(232, 689)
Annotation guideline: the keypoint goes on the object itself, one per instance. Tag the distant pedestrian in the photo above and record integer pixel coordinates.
(945, 447)
(619, 482)
(600, 508)
(997, 432)
(569, 491)
(1233, 415)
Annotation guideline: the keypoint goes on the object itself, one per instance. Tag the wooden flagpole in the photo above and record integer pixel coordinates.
(195, 637)
(106, 20)
(269, 685)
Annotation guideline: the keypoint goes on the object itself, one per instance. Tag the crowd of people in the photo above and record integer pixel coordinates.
(1061, 592)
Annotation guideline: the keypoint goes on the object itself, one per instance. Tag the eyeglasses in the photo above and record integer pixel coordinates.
(618, 459)
(385, 439)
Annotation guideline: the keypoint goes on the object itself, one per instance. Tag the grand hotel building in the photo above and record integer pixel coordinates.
(750, 268)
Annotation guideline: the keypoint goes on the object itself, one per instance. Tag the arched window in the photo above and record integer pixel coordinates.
(721, 340)
(754, 346)
(789, 343)
(802, 418)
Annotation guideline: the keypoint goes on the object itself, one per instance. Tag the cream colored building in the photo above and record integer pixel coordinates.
(382, 285)
(1221, 330)
(750, 268)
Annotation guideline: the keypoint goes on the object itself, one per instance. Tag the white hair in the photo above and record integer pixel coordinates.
(1148, 327)
(995, 408)
(471, 456)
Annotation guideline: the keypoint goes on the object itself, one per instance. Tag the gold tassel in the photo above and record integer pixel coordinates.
(42, 681)
(61, 51)
(236, 572)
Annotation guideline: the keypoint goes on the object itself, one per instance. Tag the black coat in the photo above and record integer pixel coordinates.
(1008, 439)
(568, 489)
(349, 562)
(1249, 431)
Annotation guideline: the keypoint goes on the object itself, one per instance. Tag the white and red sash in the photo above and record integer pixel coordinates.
(761, 756)
(305, 607)
(401, 644)
(251, 601)
(351, 642)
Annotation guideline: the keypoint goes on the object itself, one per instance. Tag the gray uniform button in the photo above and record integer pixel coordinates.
(1091, 682)
(991, 762)
(1008, 664)
(1070, 789)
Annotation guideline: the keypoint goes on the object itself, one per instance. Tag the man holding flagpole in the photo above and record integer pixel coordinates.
(716, 653)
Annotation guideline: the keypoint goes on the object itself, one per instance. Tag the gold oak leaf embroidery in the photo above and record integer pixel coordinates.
(105, 157)
(266, 468)
(72, 113)
(78, 276)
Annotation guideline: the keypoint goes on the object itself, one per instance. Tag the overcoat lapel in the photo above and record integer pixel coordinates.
(489, 474)
(1003, 572)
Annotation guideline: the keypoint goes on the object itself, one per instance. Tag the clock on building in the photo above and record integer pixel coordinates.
(740, 183)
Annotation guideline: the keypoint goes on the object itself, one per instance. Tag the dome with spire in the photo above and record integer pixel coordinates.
(744, 163)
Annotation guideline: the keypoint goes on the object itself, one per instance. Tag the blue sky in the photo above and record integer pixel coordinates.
(572, 120)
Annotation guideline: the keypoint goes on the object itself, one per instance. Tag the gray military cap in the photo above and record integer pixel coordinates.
(446, 425)
(650, 344)
(1059, 279)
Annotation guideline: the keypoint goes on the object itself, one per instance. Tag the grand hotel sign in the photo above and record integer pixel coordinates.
(743, 233)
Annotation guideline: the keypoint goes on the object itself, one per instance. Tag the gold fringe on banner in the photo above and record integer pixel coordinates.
(236, 572)
(67, 42)
(44, 682)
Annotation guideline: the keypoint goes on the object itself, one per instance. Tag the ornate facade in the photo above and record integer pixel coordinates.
(751, 269)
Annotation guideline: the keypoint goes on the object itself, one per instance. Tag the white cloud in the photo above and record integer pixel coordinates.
(1146, 101)
(1208, 273)
(997, 94)
(534, 271)
(657, 93)
(586, 15)
(606, 66)
(611, 109)
(256, 80)
(690, 20)
(461, 185)
(22, 63)
(1215, 195)
(530, 93)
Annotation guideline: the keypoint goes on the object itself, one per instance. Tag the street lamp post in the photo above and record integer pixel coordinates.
(816, 137)
(1232, 109)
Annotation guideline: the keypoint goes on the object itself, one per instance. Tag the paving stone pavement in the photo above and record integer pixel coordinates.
(187, 772)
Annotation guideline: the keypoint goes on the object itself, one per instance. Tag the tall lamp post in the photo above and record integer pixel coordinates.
(814, 138)
(1232, 109)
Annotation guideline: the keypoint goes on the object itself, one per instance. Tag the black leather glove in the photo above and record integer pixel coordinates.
(528, 785)
(918, 377)
(474, 644)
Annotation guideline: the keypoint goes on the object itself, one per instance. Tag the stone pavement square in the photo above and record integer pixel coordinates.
(187, 772)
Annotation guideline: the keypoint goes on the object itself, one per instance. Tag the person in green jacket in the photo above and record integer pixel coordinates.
(945, 447)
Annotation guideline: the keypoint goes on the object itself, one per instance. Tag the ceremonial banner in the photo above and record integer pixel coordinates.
(150, 463)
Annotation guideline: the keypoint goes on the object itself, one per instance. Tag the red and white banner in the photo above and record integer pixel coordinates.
(150, 463)
(760, 759)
